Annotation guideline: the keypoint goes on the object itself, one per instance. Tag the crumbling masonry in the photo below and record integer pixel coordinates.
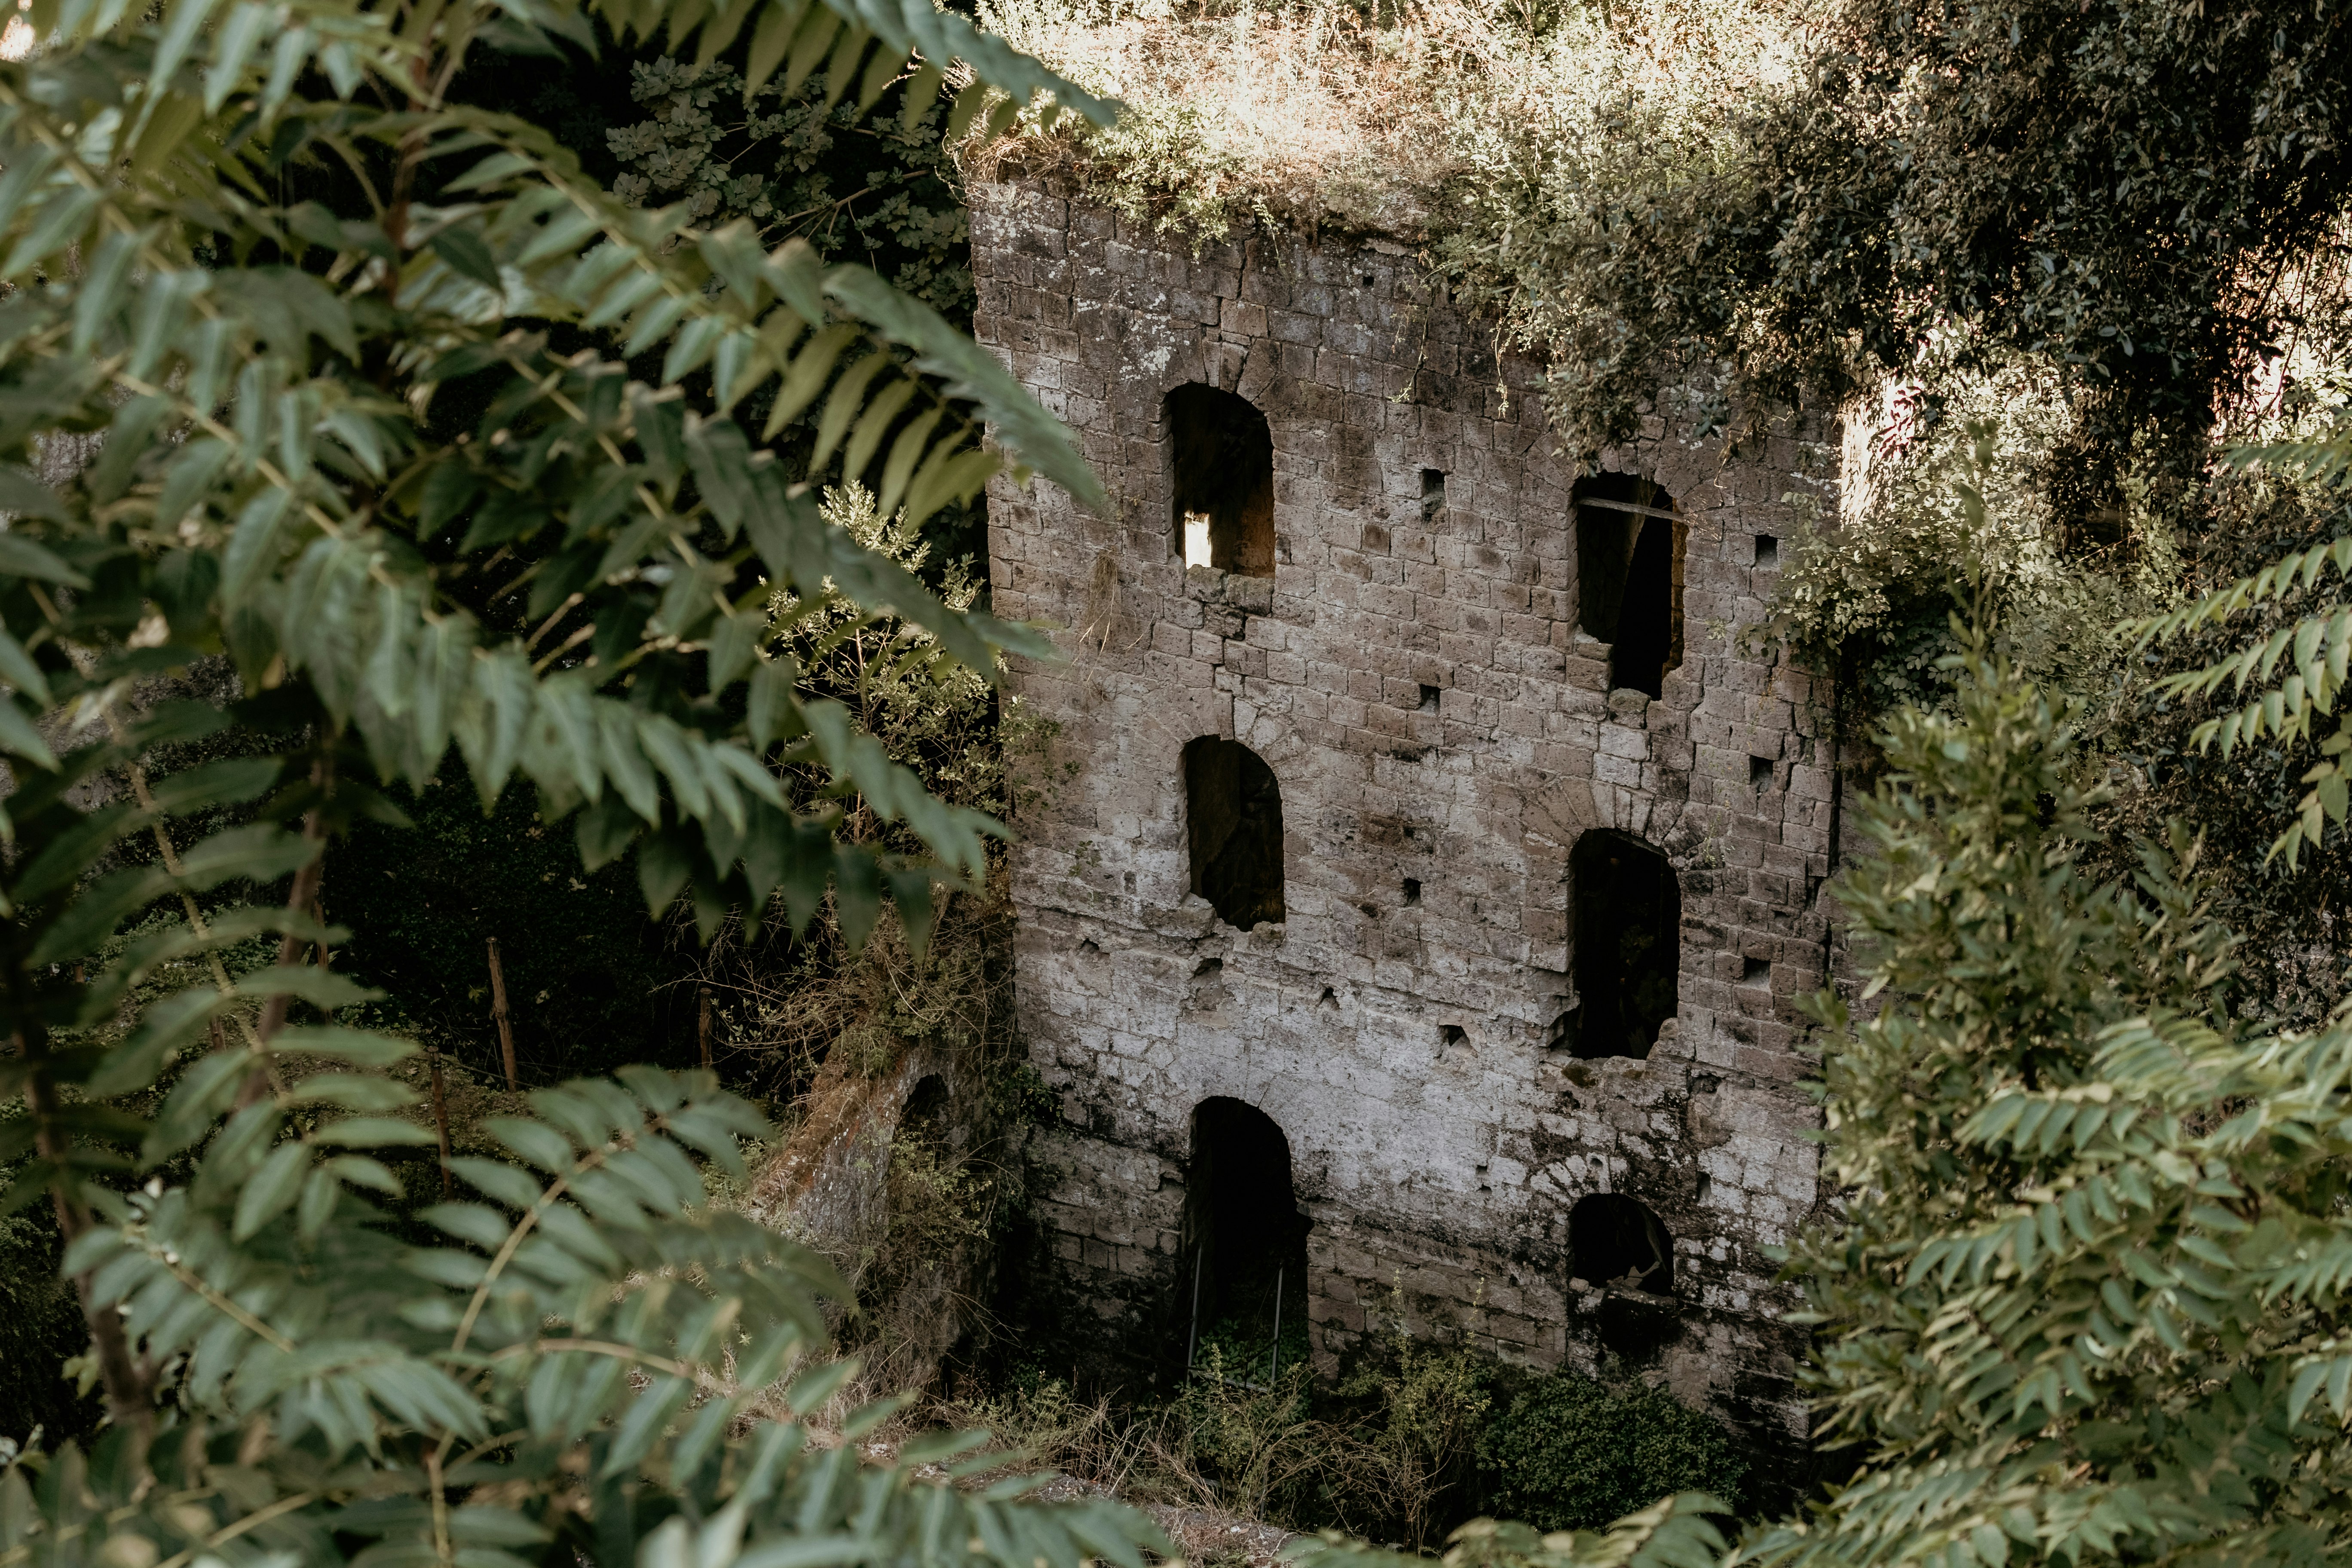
(1428, 840)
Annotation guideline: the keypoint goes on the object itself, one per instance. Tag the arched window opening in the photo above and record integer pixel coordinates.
(1629, 576)
(1618, 1244)
(925, 1116)
(1246, 1241)
(1223, 473)
(1629, 918)
(1232, 816)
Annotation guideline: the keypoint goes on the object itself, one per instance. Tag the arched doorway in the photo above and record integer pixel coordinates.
(1629, 918)
(1244, 1283)
(1233, 821)
(925, 1116)
(1222, 456)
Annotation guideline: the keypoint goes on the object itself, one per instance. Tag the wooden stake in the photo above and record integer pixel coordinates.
(702, 1029)
(440, 1112)
(499, 1011)
(319, 908)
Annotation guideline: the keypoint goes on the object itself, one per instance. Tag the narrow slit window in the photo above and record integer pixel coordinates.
(1433, 493)
(1232, 818)
(1629, 575)
(1222, 456)
(1628, 930)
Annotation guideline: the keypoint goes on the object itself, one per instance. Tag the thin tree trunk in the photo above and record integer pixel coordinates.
(499, 1012)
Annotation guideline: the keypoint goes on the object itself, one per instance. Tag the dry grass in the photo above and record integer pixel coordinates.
(782, 1006)
(1323, 111)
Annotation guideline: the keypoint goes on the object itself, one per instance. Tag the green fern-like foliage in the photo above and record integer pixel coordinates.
(590, 1366)
(2297, 673)
(221, 460)
(2083, 1302)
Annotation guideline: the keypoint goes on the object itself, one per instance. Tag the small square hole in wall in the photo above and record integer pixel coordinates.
(1368, 281)
(1452, 1035)
(1412, 892)
(1755, 972)
(1433, 493)
(1759, 774)
(1429, 697)
(1767, 552)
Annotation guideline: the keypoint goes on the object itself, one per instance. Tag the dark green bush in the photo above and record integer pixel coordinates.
(591, 979)
(1574, 1453)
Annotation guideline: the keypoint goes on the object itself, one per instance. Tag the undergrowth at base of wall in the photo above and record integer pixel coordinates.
(1403, 1450)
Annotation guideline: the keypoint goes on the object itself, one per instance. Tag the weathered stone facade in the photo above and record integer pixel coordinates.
(1443, 734)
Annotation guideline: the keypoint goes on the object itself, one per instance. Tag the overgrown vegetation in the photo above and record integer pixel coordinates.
(1406, 1449)
(486, 493)
(1408, 119)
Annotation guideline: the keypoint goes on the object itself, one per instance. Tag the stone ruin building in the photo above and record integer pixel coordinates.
(1413, 931)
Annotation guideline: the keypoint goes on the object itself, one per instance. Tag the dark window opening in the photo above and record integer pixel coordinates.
(1628, 577)
(1223, 473)
(1429, 699)
(927, 1130)
(1452, 1035)
(1433, 493)
(1767, 552)
(926, 1115)
(1628, 943)
(1412, 892)
(1706, 1186)
(1755, 972)
(1232, 811)
(1759, 774)
(1245, 1239)
(1618, 1244)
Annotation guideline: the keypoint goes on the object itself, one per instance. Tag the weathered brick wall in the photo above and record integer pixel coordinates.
(1438, 1142)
